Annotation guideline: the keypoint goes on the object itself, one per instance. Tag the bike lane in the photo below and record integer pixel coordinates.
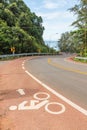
(27, 105)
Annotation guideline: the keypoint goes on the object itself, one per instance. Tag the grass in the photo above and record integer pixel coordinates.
(80, 60)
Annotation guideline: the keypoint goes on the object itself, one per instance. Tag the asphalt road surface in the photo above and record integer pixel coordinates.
(43, 93)
(67, 78)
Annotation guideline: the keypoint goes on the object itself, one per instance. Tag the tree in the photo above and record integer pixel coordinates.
(20, 28)
(76, 41)
(81, 22)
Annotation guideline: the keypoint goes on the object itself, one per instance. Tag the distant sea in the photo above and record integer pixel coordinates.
(53, 44)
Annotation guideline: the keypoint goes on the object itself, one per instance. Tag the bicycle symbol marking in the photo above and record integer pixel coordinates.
(40, 100)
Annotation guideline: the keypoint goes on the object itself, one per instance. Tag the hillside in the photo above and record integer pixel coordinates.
(20, 28)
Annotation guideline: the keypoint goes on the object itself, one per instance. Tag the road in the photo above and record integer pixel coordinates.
(3, 62)
(67, 78)
(36, 94)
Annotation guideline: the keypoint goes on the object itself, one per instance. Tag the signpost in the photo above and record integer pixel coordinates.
(13, 50)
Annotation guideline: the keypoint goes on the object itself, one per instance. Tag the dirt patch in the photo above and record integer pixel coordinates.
(6, 123)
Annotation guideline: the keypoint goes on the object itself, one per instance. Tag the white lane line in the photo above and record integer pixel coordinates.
(20, 91)
(23, 65)
(75, 106)
(80, 109)
(23, 68)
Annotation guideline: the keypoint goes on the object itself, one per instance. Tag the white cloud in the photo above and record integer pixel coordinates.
(56, 18)
(56, 15)
(53, 32)
(53, 4)
(50, 5)
(49, 16)
(59, 22)
(56, 22)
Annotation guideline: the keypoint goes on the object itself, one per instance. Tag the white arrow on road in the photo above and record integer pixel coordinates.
(20, 91)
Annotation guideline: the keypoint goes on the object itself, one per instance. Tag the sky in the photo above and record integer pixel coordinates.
(57, 19)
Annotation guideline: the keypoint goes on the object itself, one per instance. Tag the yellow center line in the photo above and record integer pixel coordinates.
(64, 68)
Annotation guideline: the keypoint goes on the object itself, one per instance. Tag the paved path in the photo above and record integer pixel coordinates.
(67, 78)
(27, 105)
(3, 62)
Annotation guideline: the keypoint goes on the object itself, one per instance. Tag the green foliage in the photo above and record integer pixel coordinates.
(20, 28)
(76, 41)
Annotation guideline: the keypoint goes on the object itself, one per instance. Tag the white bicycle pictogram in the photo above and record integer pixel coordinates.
(40, 100)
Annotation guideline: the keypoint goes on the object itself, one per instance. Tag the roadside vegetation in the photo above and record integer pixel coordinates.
(20, 29)
(76, 41)
(80, 60)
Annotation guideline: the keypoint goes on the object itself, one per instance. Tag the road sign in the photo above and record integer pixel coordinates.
(13, 49)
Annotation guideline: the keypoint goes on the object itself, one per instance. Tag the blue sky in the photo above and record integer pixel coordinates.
(56, 17)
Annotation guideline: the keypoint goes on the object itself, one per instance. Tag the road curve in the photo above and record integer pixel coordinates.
(28, 105)
(68, 78)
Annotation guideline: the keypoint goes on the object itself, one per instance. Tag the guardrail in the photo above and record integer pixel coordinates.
(81, 58)
(27, 54)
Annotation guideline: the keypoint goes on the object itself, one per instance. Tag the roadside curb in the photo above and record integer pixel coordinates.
(70, 59)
